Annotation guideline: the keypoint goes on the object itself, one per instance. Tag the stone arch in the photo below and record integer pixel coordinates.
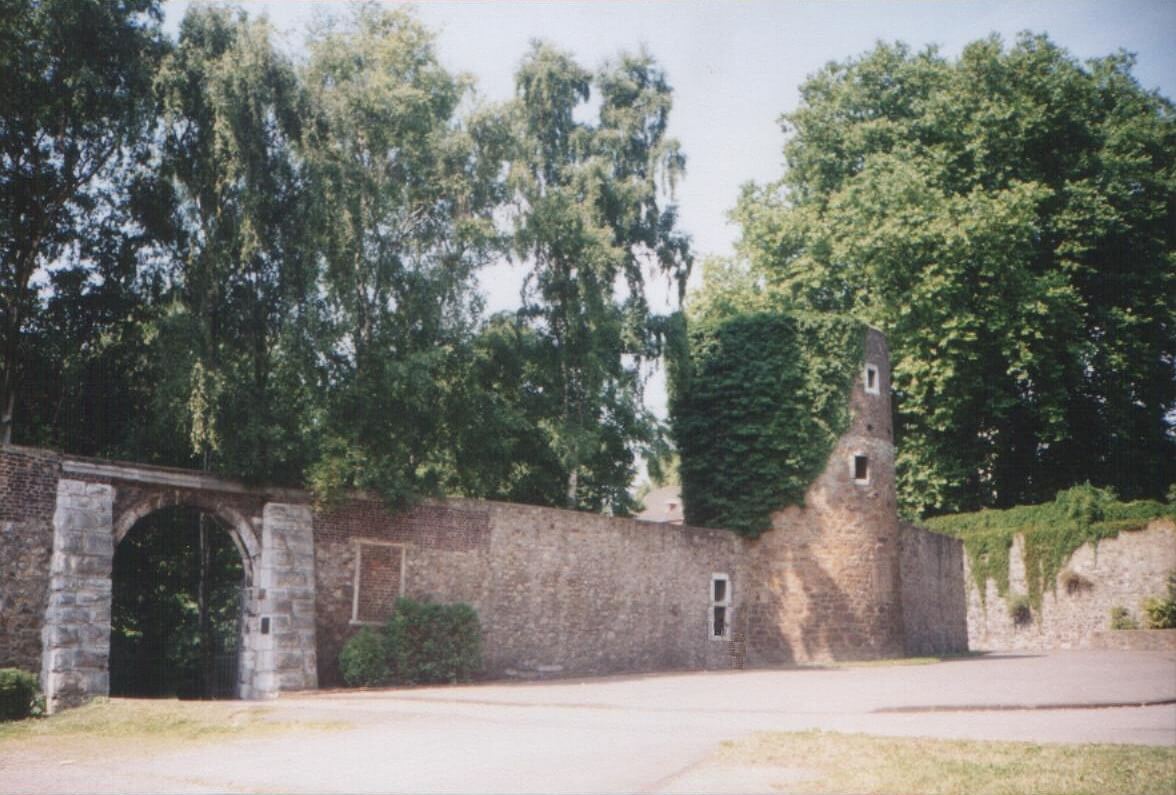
(238, 526)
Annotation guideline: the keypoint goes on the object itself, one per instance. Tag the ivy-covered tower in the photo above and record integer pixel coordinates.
(826, 583)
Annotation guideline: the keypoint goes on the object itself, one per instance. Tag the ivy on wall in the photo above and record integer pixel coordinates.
(757, 403)
(1052, 532)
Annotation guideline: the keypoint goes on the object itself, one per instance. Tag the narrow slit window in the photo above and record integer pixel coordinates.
(720, 607)
(861, 469)
(872, 379)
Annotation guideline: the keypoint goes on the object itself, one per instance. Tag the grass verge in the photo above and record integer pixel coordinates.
(155, 721)
(828, 762)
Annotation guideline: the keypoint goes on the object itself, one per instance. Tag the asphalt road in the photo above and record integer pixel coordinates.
(648, 733)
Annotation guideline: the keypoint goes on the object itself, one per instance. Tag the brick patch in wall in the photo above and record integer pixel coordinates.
(379, 581)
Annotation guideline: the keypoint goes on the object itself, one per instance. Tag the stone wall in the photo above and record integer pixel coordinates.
(28, 498)
(75, 662)
(1117, 572)
(934, 602)
(557, 592)
(439, 548)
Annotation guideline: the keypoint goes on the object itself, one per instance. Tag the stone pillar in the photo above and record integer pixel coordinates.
(279, 644)
(75, 661)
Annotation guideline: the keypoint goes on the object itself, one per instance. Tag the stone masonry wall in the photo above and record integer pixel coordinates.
(558, 592)
(28, 498)
(1117, 572)
(827, 573)
(76, 635)
(934, 602)
(577, 593)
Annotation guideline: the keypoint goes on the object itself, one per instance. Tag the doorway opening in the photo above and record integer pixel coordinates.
(176, 608)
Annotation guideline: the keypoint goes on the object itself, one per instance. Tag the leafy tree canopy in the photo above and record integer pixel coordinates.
(74, 99)
(759, 394)
(1007, 218)
(593, 217)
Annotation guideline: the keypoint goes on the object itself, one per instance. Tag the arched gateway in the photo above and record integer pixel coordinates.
(97, 503)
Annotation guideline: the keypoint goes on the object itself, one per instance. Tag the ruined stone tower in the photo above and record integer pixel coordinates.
(826, 581)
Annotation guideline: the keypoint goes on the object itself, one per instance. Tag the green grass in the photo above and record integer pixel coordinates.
(835, 763)
(156, 721)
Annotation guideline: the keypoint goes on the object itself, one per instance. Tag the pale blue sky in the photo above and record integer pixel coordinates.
(736, 66)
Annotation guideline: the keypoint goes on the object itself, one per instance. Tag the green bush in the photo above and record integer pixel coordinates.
(1161, 613)
(19, 696)
(433, 642)
(1121, 619)
(364, 659)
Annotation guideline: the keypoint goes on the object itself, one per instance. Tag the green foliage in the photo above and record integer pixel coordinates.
(423, 643)
(430, 643)
(74, 101)
(18, 694)
(1121, 619)
(226, 211)
(403, 194)
(1051, 532)
(594, 219)
(758, 402)
(1161, 611)
(363, 660)
(1005, 218)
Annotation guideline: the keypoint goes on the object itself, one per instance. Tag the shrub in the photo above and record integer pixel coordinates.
(1020, 610)
(19, 696)
(1160, 612)
(364, 659)
(433, 642)
(1074, 582)
(1121, 619)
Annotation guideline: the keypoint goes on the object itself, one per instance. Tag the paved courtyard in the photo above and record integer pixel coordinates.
(649, 733)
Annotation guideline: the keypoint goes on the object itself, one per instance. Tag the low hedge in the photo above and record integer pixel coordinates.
(423, 643)
(19, 694)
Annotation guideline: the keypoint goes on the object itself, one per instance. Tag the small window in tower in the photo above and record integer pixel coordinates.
(872, 379)
(861, 469)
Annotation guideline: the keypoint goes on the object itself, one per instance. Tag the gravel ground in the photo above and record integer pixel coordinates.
(649, 733)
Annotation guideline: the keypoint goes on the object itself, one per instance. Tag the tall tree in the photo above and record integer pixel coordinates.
(75, 94)
(592, 218)
(227, 212)
(1008, 219)
(404, 194)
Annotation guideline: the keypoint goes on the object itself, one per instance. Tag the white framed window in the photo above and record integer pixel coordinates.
(719, 623)
(873, 381)
(377, 582)
(859, 468)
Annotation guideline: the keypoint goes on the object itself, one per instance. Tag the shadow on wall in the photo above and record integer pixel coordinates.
(801, 614)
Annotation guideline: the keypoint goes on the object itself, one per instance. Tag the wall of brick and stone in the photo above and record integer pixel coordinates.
(1116, 572)
(558, 592)
(934, 598)
(28, 498)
